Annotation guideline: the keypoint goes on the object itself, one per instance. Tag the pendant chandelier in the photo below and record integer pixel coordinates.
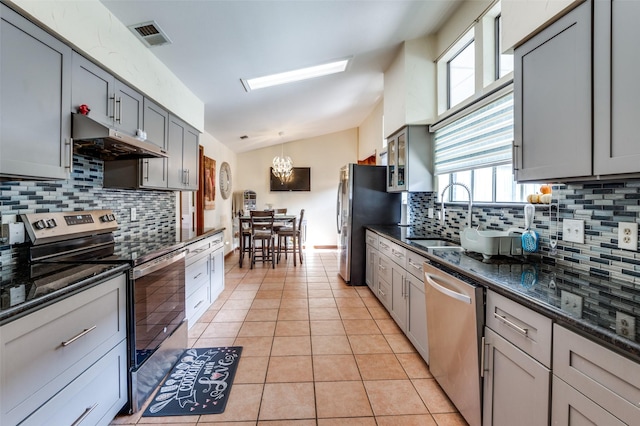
(282, 167)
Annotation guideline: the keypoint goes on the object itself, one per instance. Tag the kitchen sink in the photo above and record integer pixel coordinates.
(439, 244)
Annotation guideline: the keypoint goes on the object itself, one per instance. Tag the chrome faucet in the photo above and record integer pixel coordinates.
(443, 217)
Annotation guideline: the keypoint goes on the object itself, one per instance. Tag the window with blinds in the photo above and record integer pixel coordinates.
(481, 138)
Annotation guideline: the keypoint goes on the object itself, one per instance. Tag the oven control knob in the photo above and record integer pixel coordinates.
(40, 224)
(104, 218)
(112, 217)
(51, 223)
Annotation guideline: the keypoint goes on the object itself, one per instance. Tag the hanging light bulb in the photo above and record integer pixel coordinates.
(282, 166)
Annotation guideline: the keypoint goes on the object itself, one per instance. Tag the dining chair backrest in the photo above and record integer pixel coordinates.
(261, 220)
(300, 219)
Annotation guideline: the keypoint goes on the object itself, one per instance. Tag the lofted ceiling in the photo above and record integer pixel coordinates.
(216, 43)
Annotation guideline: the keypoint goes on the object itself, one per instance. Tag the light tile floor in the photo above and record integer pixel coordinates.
(316, 352)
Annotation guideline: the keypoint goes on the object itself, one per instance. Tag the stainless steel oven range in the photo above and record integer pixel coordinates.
(157, 329)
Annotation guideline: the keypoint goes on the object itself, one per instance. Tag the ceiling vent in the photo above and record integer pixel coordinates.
(150, 34)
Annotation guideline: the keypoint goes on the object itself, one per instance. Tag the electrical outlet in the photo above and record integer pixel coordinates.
(430, 212)
(625, 325)
(628, 236)
(571, 303)
(573, 231)
(134, 214)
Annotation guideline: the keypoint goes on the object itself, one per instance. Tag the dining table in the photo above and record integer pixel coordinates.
(279, 219)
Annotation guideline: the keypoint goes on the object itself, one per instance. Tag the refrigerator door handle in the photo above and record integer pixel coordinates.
(339, 209)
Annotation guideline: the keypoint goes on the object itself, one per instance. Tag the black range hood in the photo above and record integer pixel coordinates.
(94, 139)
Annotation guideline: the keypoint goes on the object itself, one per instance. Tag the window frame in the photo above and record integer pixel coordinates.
(448, 71)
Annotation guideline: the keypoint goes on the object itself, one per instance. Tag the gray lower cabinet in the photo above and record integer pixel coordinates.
(417, 315)
(616, 96)
(111, 102)
(516, 387)
(517, 364)
(371, 240)
(592, 382)
(204, 275)
(35, 82)
(183, 155)
(217, 266)
(396, 277)
(68, 361)
(552, 100)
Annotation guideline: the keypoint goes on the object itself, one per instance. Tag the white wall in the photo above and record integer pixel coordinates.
(221, 215)
(371, 134)
(325, 155)
(94, 31)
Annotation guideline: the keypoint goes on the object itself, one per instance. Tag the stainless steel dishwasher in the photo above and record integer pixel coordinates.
(455, 318)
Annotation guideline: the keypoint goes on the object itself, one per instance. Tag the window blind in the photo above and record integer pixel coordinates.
(482, 138)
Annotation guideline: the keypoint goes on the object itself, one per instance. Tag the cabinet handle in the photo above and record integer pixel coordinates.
(85, 414)
(119, 116)
(382, 267)
(68, 144)
(198, 304)
(196, 277)
(523, 331)
(514, 156)
(397, 253)
(114, 107)
(382, 293)
(79, 335)
(418, 267)
(146, 162)
(384, 245)
(482, 368)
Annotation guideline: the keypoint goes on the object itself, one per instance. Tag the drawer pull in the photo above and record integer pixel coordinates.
(384, 245)
(196, 277)
(198, 304)
(418, 267)
(85, 414)
(382, 267)
(79, 335)
(382, 293)
(519, 329)
(397, 253)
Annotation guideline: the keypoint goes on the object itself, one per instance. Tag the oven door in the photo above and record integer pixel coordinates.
(158, 303)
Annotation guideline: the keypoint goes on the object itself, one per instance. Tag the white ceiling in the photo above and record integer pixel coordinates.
(216, 43)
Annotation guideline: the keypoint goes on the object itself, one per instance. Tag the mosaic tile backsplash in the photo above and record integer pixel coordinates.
(608, 278)
(84, 191)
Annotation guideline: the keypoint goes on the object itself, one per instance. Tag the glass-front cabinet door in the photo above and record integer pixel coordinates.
(402, 162)
(392, 160)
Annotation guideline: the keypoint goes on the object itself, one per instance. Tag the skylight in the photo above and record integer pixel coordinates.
(295, 75)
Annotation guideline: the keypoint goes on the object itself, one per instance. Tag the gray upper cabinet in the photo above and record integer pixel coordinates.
(112, 102)
(410, 160)
(616, 87)
(146, 173)
(35, 82)
(156, 124)
(183, 155)
(552, 92)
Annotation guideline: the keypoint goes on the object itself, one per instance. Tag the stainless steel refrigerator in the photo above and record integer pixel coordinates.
(362, 200)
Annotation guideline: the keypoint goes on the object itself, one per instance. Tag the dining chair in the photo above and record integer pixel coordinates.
(245, 246)
(286, 232)
(262, 232)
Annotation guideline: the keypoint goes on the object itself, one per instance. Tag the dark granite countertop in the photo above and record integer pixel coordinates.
(189, 237)
(540, 286)
(25, 287)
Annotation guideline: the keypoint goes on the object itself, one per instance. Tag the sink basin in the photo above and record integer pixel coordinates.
(431, 243)
(491, 243)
